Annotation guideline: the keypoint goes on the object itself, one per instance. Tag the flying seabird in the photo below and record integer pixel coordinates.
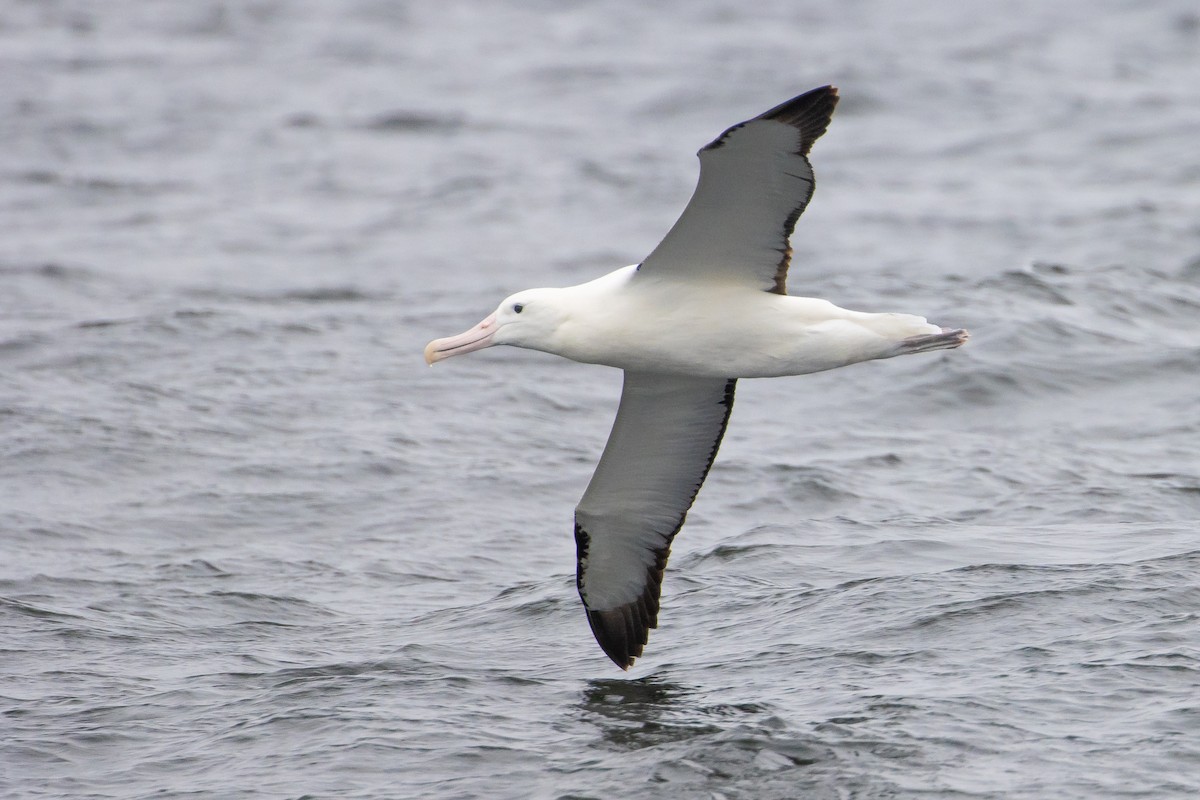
(707, 307)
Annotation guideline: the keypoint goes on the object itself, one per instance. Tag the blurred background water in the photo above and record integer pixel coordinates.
(250, 546)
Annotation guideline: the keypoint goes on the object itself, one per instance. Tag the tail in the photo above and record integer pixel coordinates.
(946, 340)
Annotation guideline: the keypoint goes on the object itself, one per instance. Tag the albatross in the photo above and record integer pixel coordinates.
(707, 307)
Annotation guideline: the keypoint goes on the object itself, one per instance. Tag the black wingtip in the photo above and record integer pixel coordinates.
(622, 632)
(809, 113)
(612, 634)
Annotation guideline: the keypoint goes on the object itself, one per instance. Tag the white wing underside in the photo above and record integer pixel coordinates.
(664, 439)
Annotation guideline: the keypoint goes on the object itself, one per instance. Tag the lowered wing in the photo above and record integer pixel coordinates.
(664, 440)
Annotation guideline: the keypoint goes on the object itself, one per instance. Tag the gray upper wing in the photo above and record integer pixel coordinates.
(755, 181)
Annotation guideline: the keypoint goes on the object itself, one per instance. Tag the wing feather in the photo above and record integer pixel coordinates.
(755, 182)
(663, 442)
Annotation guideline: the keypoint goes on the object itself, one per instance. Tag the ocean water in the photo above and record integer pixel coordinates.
(251, 546)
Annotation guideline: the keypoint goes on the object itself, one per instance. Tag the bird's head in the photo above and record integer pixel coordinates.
(526, 319)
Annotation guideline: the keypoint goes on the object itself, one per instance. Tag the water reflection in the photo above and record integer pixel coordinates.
(633, 714)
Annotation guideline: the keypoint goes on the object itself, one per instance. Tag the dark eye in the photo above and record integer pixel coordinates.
(518, 307)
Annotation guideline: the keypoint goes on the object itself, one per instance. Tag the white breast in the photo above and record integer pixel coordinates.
(713, 330)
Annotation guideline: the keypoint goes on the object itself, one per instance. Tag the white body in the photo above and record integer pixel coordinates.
(672, 326)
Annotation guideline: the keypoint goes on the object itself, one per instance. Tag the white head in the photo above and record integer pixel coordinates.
(526, 319)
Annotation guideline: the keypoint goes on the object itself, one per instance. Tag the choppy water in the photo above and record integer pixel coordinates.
(251, 547)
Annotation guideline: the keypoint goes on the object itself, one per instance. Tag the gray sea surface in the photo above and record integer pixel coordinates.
(252, 547)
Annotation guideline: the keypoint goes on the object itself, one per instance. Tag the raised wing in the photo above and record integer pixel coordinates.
(755, 181)
(664, 440)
